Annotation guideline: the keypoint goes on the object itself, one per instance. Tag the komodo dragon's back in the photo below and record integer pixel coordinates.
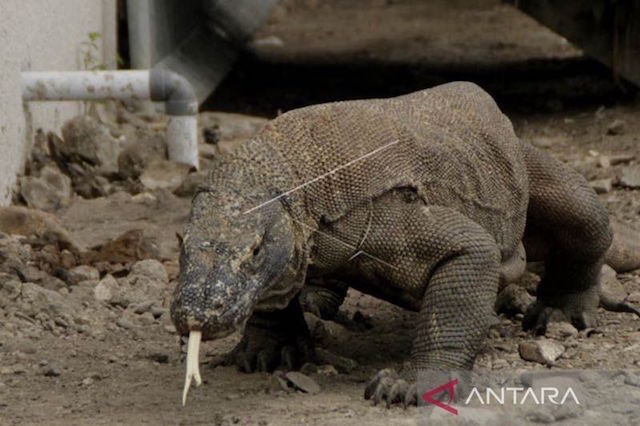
(410, 199)
(450, 143)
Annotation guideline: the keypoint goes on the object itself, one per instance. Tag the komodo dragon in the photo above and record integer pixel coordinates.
(417, 200)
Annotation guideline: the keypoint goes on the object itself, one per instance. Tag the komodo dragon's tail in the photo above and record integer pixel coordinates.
(624, 253)
(622, 256)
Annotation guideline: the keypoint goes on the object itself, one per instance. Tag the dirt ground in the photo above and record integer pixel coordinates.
(96, 346)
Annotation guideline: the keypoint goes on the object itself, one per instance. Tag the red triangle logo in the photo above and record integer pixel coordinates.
(428, 397)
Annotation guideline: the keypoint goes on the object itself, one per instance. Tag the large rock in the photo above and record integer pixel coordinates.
(84, 140)
(14, 256)
(152, 269)
(106, 289)
(610, 287)
(83, 273)
(144, 149)
(35, 299)
(630, 176)
(49, 191)
(128, 248)
(16, 220)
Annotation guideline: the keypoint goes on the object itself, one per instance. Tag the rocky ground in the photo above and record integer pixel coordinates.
(88, 262)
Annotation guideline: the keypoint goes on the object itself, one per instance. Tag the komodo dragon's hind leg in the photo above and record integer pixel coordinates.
(565, 215)
(452, 264)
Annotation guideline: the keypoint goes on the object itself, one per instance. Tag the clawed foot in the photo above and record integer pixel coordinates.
(575, 310)
(389, 387)
(430, 387)
(263, 350)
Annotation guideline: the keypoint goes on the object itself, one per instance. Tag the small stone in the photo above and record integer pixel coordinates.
(146, 318)
(83, 273)
(513, 299)
(630, 176)
(610, 288)
(135, 157)
(150, 268)
(327, 370)
(86, 141)
(211, 135)
(189, 185)
(542, 351)
(499, 364)
(48, 192)
(106, 289)
(342, 364)
(309, 368)
(28, 348)
(604, 162)
(540, 416)
(67, 259)
(278, 382)
(601, 186)
(143, 307)
(125, 323)
(16, 220)
(157, 311)
(14, 369)
(159, 357)
(171, 329)
(302, 382)
(164, 174)
(616, 127)
(560, 330)
(634, 297)
(632, 379)
(87, 382)
(144, 198)
(51, 372)
(542, 142)
(616, 159)
(131, 246)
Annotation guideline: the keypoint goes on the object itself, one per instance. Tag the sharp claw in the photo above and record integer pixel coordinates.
(264, 361)
(370, 389)
(193, 366)
(245, 364)
(397, 391)
(288, 358)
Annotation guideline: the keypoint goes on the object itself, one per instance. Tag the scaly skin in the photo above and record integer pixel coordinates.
(417, 200)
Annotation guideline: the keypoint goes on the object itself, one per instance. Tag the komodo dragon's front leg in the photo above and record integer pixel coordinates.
(450, 265)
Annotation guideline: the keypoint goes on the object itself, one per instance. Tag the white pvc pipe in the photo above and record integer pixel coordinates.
(85, 85)
(182, 139)
(182, 127)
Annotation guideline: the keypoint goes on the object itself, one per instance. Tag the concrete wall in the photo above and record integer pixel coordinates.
(43, 35)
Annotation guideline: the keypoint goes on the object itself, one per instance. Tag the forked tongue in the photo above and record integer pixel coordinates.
(193, 366)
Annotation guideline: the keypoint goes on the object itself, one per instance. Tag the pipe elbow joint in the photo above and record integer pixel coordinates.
(174, 90)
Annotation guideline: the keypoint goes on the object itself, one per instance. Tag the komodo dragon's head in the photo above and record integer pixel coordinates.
(230, 259)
